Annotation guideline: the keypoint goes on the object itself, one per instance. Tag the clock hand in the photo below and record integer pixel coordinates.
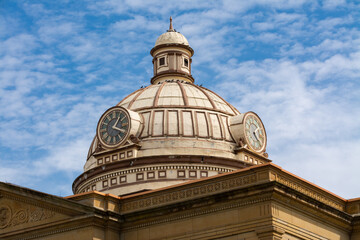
(114, 126)
(257, 133)
(119, 129)
(254, 134)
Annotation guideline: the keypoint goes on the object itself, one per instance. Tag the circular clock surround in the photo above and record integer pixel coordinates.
(114, 127)
(254, 132)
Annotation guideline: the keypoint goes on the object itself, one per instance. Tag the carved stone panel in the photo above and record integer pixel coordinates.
(19, 215)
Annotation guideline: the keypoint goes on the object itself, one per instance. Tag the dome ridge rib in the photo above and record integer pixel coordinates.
(139, 90)
(156, 99)
(230, 106)
(137, 95)
(207, 95)
(185, 98)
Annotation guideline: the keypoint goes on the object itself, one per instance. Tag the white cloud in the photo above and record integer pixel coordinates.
(158, 7)
(330, 165)
(241, 6)
(67, 157)
(19, 44)
(286, 60)
(312, 127)
(137, 23)
(35, 10)
(332, 4)
(53, 31)
(13, 172)
(265, 37)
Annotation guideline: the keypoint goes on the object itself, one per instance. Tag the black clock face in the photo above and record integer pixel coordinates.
(113, 127)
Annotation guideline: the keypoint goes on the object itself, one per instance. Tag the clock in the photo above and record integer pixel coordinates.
(113, 127)
(248, 131)
(254, 132)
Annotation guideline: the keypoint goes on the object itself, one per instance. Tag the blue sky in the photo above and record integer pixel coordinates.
(296, 63)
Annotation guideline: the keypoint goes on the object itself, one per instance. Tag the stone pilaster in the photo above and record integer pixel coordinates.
(270, 233)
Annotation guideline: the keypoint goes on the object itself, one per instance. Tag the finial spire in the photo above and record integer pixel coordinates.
(171, 29)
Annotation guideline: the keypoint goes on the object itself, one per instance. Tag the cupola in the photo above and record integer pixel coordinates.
(172, 57)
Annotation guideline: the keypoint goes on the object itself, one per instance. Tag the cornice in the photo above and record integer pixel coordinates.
(175, 195)
(313, 208)
(195, 207)
(250, 176)
(172, 74)
(39, 199)
(238, 179)
(172, 45)
(270, 192)
(353, 206)
(311, 190)
(287, 189)
(70, 224)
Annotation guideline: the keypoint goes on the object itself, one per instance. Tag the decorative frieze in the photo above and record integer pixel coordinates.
(155, 172)
(308, 191)
(12, 217)
(199, 211)
(113, 157)
(194, 192)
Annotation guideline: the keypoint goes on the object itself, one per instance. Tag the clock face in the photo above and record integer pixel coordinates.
(255, 132)
(113, 127)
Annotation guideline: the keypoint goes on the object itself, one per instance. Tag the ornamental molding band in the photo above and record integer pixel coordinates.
(12, 217)
(309, 190)
(154, 169)
(197, 211)
(353, 207)
(34, 200)
(188, 194)
(231, 181)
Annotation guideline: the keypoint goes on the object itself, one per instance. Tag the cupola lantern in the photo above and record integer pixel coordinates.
(172, 57)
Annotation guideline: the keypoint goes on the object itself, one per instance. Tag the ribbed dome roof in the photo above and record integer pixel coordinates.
(171, 38)
(172, 94)
(178, 94)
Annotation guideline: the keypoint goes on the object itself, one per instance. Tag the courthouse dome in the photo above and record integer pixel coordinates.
(166, 133)
(181, 111)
